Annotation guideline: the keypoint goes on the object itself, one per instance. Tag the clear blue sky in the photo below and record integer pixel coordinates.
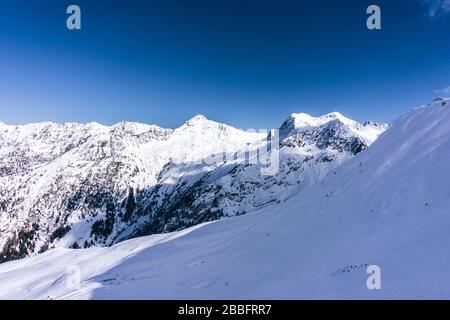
(249, 63)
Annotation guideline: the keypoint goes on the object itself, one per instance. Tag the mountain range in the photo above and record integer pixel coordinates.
(78, 185)
(386, 207)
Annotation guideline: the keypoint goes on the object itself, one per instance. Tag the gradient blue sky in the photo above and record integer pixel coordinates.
(249, 63)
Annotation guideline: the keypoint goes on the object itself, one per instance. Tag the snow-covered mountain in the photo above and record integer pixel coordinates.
(388, 206)
(81, 185)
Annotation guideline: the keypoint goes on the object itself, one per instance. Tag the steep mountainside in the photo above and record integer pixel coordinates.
(79, 185)
(386, 207)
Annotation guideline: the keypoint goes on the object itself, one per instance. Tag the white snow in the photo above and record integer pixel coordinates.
(306, 120)
(388, 206)
(370, 132)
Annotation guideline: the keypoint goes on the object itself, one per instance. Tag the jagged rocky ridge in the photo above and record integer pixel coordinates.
(80, 185)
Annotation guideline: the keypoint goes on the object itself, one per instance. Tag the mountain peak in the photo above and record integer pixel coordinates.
(442, 100)
(201, 122)
(198, 119)
(136, 128)
(298, 122)
(302, 120)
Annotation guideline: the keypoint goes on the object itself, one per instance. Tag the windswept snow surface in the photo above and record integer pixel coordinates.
(388, 206)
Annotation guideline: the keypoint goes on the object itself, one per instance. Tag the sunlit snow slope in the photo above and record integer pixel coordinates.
(388, 206)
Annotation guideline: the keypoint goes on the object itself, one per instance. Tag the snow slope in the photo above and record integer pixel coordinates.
(388, 206)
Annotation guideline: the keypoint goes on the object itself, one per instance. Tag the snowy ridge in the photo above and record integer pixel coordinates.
(301, 120)
(82, 185)
(369, 131)
(387, 206)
